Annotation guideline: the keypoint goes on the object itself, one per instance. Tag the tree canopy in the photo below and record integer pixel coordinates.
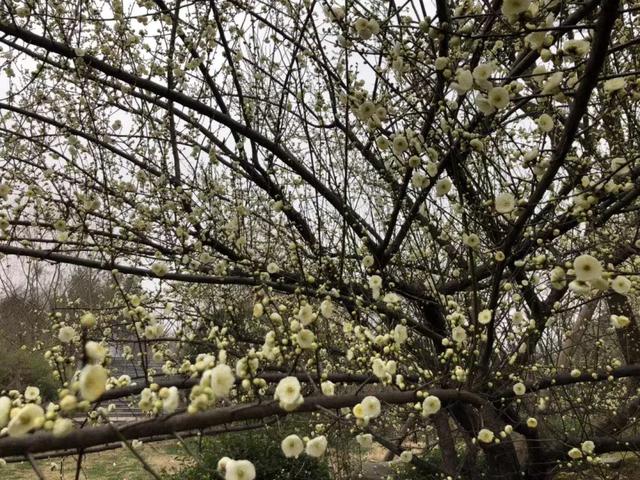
(393, 217)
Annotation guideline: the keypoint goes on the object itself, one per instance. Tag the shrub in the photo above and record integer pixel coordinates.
(20, 368)
(432, 467)
(262, 448)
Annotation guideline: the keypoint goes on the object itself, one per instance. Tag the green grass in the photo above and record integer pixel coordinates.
(169, 457)
(119, 464)
(627, 469)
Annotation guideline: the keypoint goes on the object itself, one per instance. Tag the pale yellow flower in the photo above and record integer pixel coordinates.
(511, 8)
(431, 405)
(29, 417)
(587, 268)
(504, 202)
(484, 317)
(93, 381)
(614, 84)
(621, 285)
(239, 470)
(222, 380)
(486, 436)
(292, 446)
(519, 389)
(317, 446)
(498, 97)
(62, 427)
(575, 453)
(371, 406)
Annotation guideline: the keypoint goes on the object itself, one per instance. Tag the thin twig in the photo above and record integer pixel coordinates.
(35, 467)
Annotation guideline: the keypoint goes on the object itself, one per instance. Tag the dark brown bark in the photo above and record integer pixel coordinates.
(446, 442)
(90, 437)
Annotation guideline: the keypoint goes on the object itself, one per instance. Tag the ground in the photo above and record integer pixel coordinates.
(119, 464)
(166, 457)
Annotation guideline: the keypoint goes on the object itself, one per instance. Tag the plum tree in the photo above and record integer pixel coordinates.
(397, 218)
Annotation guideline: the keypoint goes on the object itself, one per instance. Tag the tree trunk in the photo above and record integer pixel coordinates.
(446, 442)
(502, 460)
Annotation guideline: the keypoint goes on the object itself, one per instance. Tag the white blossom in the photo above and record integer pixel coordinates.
(328, 388)
(5, 409)
(615, 84)
(587, 268)
(222, 380)
(92, 382)
(288, 392)
(62, 427)
(511, 8)
(621, 285)
(66, 334)
(239, 470)
(484, 317)
(365, 440)
(29, 417)
(292, 446)
(485, 435)
(504, 202)
(371, 406)
(519, 389)
(430, 405)
(316, 446)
